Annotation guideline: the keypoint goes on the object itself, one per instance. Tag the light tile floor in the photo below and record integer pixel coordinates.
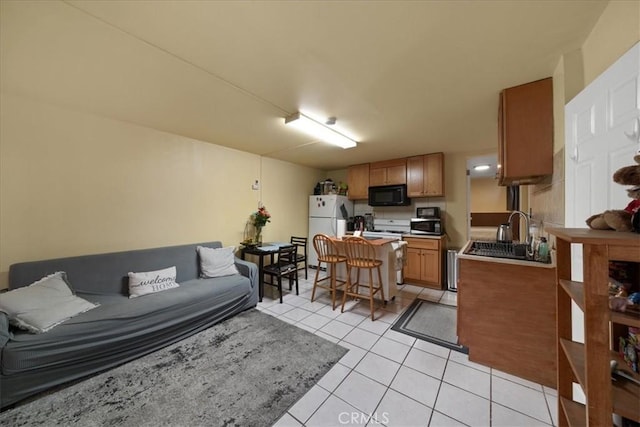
(391, 379)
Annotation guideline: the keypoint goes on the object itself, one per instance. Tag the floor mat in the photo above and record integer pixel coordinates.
(431, 322)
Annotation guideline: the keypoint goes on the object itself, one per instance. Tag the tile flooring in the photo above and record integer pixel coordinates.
(391, 379)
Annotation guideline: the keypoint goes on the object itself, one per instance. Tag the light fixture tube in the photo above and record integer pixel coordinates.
(481, 167)
(318, 130)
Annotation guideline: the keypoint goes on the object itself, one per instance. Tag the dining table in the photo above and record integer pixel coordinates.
(261, 251)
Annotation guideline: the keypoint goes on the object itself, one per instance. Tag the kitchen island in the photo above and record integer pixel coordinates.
(385, 251)
(507, 314)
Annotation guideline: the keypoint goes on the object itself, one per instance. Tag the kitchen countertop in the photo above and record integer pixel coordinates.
(422, 236)
(408, 235)
(463, 255)
(375, 242)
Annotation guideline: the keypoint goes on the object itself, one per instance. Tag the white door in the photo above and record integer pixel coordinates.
(322, 206)
(318, 225)
(599, 126)
(601, 135)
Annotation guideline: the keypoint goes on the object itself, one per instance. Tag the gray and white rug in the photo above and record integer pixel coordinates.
(245, 371)
(430, 321)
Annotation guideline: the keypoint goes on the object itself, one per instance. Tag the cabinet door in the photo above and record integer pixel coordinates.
(527, 132)
(415, 176)
(414, 265)
(377, 176)
(500, 169)
(397, 174)
(434, 174)
(430, 266)
(358, 181)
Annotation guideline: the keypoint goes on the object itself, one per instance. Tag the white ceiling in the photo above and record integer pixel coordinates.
(403, 77)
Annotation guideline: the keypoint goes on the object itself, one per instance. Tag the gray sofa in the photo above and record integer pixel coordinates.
(120, 329)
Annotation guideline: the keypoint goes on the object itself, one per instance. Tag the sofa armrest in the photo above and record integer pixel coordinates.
(5, 335)
(248, 269)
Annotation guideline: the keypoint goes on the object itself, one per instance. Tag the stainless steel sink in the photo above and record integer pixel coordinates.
(499, 250)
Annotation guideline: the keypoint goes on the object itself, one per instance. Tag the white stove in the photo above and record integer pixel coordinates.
(389, 229)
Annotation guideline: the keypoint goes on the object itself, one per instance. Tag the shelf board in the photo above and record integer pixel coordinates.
(576, 412)
(575, 355)
(626, 318)
(575, 290)
(600, 237)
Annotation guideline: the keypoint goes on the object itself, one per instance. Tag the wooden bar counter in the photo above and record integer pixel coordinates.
(386, 253)
(507, 314)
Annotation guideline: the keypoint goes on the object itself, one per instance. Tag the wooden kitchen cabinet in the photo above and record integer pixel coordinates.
(525, 133)
(425, 175)
(507, 316)
(388, 172)
(358, 182)
(588, 363)
(424, 262)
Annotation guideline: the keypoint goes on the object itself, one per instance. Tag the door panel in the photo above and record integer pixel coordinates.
(430, 268)
(599, 139)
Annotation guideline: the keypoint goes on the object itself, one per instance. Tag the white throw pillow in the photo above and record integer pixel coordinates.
(43, 304)
(150, 282)
(217, 262)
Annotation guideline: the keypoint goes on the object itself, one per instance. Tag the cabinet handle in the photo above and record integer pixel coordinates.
(635, 135)
(574, 155)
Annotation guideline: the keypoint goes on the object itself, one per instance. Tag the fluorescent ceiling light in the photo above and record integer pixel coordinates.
(318, 130)
(481, 167)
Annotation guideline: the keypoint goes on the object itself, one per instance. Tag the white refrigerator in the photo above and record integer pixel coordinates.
(324, 213)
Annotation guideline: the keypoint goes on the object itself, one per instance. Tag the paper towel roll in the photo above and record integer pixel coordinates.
(342, 228)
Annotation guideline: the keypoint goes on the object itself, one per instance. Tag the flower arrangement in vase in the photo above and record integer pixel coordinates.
(259, 219)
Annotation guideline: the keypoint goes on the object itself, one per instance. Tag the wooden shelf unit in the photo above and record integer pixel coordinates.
(588, 364)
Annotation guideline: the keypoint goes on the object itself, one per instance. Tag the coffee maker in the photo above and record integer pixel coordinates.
(368, 222)
(359, 223)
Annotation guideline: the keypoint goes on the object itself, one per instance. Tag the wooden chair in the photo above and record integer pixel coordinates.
(362, 255)
(285, 266)
(327, 253)
(301, 243)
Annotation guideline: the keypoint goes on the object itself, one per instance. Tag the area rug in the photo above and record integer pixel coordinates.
(431, 322)
(245, 371)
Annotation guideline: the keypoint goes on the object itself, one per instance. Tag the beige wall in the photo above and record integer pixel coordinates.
(74, 183)
(487, 195)
(616, 31)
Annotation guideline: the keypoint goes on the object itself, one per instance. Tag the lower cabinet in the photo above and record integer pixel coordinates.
(424, 262)
(507, 316)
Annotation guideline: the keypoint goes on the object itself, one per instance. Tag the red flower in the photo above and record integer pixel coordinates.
(261, 217)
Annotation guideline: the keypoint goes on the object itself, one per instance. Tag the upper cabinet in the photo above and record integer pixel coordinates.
(425, 175)
(525, 133)
(358, 181)
(388, 172)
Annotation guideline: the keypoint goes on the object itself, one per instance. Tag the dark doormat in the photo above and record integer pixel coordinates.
(431, 322)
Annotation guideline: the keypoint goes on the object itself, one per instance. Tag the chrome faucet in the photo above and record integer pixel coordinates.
(529, 238)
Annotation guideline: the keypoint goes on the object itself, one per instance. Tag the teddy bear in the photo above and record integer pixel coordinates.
(626, 219)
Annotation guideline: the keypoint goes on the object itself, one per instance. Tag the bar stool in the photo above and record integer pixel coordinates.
(362, 255)
(327, 253)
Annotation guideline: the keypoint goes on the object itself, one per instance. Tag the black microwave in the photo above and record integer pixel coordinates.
(389, 195)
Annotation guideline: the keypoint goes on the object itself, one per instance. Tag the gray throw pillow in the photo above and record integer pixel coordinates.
(43, 304)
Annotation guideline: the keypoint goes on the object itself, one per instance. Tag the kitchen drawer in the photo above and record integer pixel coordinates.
(423, 243)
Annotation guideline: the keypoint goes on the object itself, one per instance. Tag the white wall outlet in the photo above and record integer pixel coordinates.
(255, 185)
